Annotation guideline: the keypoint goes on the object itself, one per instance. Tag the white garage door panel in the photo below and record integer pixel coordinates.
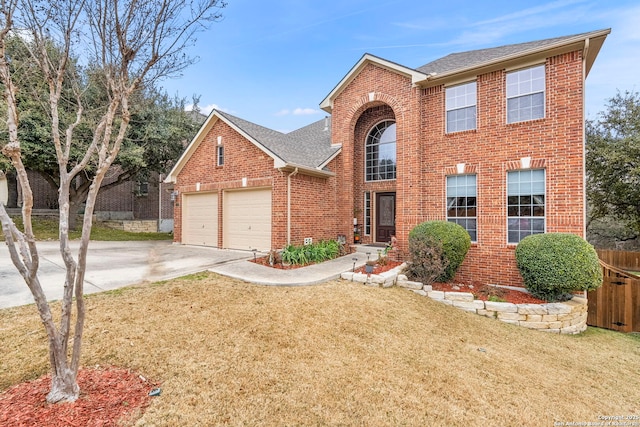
(200, 219)
(247, 219)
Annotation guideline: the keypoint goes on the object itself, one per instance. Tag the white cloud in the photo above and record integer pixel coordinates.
(305, 111)
(497, 30)
(207, 109)
(298, 112)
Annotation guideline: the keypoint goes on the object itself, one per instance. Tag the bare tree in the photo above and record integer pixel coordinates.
(131, 42)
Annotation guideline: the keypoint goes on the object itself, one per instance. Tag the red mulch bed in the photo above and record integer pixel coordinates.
(483, 292)
(107, 397)
(377, 269)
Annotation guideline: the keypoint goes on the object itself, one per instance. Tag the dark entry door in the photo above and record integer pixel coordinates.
(385, 216)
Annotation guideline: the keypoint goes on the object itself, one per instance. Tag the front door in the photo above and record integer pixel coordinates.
(385, 216)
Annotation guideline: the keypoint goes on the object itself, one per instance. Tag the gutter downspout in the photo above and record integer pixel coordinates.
(585, 52)
(289, 205)
(159, 201)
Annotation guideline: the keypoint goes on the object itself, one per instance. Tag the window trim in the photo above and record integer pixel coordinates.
(544, 218)
(448, 218)
(447, 109)
(367, 213)
(220, 155)
(366, 145)
(519, 95)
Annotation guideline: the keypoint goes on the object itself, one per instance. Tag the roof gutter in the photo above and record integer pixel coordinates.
(503, 59)
(306, 170)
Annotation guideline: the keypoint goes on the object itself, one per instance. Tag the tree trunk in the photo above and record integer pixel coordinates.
(64, 388)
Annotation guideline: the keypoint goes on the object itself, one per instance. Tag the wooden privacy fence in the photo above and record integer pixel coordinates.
(616, 304)
(625, 260)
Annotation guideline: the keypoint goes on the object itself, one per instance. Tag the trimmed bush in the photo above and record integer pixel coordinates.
(553, 265)
(453, 241)
(427, 263)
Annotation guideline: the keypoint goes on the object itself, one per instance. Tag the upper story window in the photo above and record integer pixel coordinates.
(461, 107)
(525, 203)
(525, 94)
(220, 155)
(462, 203)
(380, 152)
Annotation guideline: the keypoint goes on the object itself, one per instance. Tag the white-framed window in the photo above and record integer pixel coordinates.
(462, 203)
(525, 203)
(461, 107)
(525, 94)
(367, 213)
(380, 152)
(220, 155)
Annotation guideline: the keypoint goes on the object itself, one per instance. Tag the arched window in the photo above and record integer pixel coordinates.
(380, 152)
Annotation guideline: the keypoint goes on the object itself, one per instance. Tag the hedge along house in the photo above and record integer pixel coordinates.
(491, 139)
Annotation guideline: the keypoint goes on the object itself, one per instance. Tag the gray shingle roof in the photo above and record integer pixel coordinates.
(308, 146)
(461, 60)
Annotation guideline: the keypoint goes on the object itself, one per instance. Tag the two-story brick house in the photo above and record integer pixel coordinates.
(491, 139)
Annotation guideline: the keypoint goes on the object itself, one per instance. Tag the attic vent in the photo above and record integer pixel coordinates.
(326, 123)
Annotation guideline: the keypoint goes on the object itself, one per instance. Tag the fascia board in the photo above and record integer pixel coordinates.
(416, 76)
(575, 43)
(328, 160)
(191, 148)
(206, 127)
(306, 170)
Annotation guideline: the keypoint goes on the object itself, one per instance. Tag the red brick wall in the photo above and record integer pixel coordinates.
(426, 154)
(372, 88)
(323, 208)
(313, 199)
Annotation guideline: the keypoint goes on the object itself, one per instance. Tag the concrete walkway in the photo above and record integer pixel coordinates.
(112, 265)
(313, 274)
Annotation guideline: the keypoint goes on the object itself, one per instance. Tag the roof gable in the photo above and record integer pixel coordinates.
(415, 75)
(307, 148)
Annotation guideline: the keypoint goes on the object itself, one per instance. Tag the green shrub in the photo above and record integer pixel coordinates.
(553, 265)
(427, 263)
(455, 242)
(317, 252)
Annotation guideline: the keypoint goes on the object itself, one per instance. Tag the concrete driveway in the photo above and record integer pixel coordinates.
(111, 265)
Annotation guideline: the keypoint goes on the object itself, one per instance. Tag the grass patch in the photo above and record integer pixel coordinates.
(47, 229)
(228, 352)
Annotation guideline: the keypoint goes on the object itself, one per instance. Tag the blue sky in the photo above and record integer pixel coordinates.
(273, 62)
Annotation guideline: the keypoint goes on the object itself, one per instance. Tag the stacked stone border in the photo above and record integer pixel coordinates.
(569, 317)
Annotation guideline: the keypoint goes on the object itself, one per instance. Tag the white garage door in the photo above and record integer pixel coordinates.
(247, 219)
(200, 219)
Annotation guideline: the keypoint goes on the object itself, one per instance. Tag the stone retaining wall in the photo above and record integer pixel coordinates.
(569, 317)
(134, 226)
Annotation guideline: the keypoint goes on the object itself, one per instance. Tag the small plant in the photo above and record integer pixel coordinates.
(316, 252)
(493, 293)
(453, 240)
(554, 265)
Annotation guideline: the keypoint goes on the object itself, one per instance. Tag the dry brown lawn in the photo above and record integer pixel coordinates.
(232, 353)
